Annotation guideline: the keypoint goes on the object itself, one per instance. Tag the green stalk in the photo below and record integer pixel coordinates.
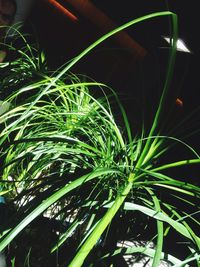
(101, 226)
(159, 245)
(108, 35)
(164, 93)
(177, 164)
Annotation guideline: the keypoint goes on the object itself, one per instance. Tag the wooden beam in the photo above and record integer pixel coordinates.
(88, 10)
(61, 9)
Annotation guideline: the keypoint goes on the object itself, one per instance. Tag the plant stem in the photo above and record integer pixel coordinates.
(101, 226)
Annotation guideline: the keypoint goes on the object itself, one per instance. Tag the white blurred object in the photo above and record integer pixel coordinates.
(2, 260)
(4, 107)
(181, 46)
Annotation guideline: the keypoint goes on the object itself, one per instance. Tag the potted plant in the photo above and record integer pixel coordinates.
(80, 185)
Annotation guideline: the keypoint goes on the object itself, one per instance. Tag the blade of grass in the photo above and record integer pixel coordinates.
(159, 111)
(49, 201)
(159, 245)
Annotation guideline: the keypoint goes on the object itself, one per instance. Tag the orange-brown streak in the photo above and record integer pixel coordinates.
(63, 10)
(101, 20)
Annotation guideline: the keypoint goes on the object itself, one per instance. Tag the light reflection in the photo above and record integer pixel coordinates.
(181, 46)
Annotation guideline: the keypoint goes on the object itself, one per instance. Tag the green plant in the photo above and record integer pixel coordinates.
(65, 157)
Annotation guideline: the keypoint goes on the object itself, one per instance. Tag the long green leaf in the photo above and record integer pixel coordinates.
(49, 201)
(179, 227)
(159, 245)
(150, 252)
(147, 148)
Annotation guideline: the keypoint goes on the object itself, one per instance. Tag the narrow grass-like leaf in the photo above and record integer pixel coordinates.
(159, 245)
(160, 216)
(150, 252)
(49, 201)
(99, 229)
